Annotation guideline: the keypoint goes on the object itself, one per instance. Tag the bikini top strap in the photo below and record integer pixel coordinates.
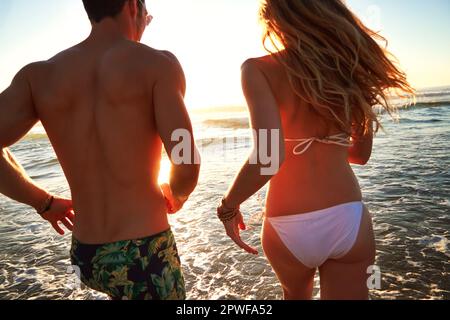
(305, 144)
(341, 139)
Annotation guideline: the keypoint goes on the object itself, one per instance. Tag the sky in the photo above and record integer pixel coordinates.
(212, 38)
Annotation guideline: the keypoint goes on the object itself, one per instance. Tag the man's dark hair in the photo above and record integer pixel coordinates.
(97, 10)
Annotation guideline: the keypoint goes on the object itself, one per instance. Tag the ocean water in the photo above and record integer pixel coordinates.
(406, 185)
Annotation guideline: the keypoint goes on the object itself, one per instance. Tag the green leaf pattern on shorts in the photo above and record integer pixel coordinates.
(114, 264)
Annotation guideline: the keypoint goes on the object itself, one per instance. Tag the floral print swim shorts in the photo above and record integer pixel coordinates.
(143, 269)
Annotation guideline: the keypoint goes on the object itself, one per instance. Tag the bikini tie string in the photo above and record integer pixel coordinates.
(342, 140)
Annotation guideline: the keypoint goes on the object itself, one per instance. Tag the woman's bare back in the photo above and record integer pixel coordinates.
(321, 177)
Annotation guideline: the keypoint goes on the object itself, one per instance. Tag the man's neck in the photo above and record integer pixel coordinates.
(110, 30)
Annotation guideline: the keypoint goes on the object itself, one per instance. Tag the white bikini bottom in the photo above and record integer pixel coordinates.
(321, 235)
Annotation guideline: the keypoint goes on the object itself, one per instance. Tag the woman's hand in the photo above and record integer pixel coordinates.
(61, 210)
(173, 203)
(233, 228)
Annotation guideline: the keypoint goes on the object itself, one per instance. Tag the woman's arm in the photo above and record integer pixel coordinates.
(361, 150)
(268, 150)
(265, 117)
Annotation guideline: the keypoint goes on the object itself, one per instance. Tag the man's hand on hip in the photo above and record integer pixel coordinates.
(61, 210)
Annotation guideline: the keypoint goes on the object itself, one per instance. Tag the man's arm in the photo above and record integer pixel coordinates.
(172, 117)
(17, 117)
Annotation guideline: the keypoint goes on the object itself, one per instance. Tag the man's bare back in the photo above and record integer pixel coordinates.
(96, 104)
(108, 105)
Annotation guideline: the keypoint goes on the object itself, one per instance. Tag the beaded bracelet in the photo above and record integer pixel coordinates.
(225, 214)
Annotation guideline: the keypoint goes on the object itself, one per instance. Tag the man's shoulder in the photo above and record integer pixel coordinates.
(158, 63)
(44, 66)
(62, 55)
(162, 57)
(161, 65)
(32, 70)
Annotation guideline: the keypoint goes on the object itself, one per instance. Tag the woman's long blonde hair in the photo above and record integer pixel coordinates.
(333, 61)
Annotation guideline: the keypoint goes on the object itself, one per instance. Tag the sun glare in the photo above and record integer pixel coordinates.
(164, 173)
